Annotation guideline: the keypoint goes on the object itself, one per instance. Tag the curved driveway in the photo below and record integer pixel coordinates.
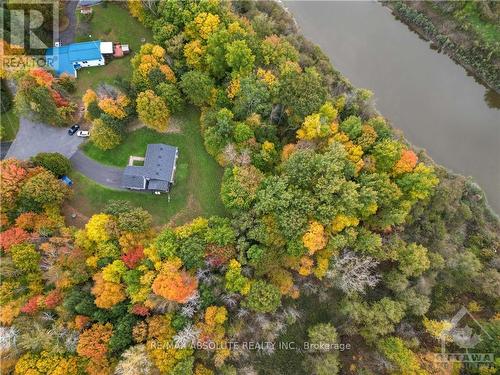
(34, 137)
(102, 174)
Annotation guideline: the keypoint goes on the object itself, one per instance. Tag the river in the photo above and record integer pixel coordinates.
(434, 101)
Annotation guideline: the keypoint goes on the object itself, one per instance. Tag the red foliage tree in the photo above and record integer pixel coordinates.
(13, 236)
(133, 257)
(53, 299)
(58, 99)
(42, 77)
(140, 310)
(31, 307)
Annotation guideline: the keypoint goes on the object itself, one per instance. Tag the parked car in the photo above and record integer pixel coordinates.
(83, 133)
(73, 129)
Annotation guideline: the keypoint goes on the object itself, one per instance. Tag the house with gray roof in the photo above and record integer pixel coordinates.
(157, 173)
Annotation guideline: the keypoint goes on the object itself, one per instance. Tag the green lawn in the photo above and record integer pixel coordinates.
(10, 125)
(489, 31)
(198, 177)
(112, 23)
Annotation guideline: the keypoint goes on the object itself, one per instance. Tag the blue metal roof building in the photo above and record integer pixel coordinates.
(68, 59)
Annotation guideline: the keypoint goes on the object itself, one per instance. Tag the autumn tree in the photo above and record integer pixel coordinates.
(174, 284)
(93, 342)
(398, 353)
(44, 188)
(107, 293)
(12, 236)
(25, 257)
(104, 135)
(153, 111)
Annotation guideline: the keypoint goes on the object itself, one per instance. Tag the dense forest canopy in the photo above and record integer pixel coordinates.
(326, 202)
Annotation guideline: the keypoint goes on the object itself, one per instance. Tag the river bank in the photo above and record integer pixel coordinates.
(425, 94)
(448, 34)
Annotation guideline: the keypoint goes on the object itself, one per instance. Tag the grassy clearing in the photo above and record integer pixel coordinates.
(90, 197)
(489, 31)
(10, 125)
(112, 23)
(198, 177)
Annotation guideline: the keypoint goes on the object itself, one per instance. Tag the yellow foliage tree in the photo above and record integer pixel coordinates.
(314, 239)
(153, 111)
(437, 328)
(342, 221)
(204, 25)
(97, 228)
(194, 53)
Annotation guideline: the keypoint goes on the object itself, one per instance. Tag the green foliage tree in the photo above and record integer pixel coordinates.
(171, 95)
(301, 93)
(44, 188)
(253, 97)
(136, 220)
(103, 135)
(58, 164)
(239, 57)
(263, 297)
(197, 86)
(374, 320)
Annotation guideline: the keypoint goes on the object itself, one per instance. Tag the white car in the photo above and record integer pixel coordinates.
(83, 133)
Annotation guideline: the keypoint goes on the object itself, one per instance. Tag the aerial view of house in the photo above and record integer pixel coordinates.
(157, 172)
(68, 59)
(256, 187)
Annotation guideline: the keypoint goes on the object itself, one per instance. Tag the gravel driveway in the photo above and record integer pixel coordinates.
(33, 138)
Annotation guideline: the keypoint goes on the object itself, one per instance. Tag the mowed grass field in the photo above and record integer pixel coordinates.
(111, 23)
(10, 125)
(197, 179)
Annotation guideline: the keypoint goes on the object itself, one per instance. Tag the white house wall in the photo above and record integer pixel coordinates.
(89, 63)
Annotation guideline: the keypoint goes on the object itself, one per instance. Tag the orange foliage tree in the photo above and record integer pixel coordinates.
(93, 344)
(406, 163)
(107, 293)
(173, 283)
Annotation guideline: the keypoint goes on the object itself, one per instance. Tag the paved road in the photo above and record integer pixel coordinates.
(33, 138)
(67, 36)
(102, 174)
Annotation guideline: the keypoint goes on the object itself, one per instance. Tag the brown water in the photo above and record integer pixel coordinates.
(433, 100)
